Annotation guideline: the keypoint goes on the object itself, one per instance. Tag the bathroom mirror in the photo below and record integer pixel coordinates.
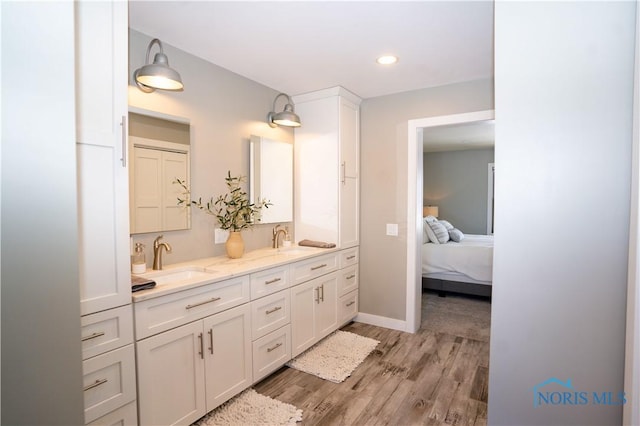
(159, 153)
(271, 177)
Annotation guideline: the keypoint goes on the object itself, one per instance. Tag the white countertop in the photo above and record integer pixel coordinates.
(221, 268)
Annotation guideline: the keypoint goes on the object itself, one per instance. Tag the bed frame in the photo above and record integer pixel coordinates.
(443, 286)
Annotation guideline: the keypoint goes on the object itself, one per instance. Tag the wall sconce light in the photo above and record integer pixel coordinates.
(286, 117)
(430, 211)
(158, 75)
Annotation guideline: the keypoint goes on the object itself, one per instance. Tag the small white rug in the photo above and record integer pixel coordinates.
(252, 408)
(335, 357)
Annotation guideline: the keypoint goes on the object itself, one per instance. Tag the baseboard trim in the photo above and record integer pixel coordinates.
(379, 321)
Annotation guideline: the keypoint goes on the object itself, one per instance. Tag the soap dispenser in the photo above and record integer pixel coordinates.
(138, 261)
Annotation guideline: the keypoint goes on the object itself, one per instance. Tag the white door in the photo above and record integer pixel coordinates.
(304, 298)
(327, 308)
(171, 387)
(103, 205)
(227, 354)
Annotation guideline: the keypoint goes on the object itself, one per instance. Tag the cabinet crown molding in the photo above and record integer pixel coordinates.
(327, 93)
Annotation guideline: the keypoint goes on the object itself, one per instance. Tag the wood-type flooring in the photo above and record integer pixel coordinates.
(437, 376)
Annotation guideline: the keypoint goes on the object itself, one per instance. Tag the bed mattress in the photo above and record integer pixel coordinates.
(473, 257)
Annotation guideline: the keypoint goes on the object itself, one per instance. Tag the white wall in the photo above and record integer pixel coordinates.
(225, 109)
(564, 80)
(41, 352)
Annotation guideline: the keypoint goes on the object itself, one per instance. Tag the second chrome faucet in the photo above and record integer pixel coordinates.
(157, 252)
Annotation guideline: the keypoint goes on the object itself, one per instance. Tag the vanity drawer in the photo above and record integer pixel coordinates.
(348, 280)
(269, 281)
(348, 307)
(270, 313)
(166, 312)
(123, 416)
(348, 257)
(107, 330)
(308, 269)
(109, 382)
(271, 352)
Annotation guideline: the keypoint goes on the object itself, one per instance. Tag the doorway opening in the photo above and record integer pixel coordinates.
(415, 169)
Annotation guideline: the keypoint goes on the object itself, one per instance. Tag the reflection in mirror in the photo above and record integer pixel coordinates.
(271, 178)
(159, 154)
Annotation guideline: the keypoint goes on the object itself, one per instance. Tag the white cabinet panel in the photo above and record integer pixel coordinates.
(171, 376)
(306, 270)
(228, 365)
(270, 313)
(270, 281)
(271, 352)
(106, 330)
(347, 307)
(124, 416)
(109, 382)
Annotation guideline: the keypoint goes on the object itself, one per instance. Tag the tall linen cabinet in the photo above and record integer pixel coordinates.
(103, 211)
(327, 167)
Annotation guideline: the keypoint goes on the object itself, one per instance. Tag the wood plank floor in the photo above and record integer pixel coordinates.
(437, 376)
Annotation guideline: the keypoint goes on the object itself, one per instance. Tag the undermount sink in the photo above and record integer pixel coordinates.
(192, 274)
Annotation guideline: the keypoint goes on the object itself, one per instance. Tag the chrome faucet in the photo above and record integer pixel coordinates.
(157, 252)
(276, 233)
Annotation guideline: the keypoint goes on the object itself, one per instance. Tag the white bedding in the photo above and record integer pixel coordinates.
(473, 256)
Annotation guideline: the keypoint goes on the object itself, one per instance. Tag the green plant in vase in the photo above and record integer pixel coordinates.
(233, 211)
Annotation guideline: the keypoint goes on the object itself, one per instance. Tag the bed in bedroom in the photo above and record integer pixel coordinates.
(457, 262)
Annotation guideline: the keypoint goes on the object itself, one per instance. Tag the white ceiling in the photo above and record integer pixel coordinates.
(301, 46)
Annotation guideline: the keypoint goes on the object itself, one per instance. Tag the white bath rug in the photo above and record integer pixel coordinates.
(335, 357)
(252, 408)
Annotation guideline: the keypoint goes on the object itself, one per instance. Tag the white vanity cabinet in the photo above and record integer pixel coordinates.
(101, 35)
(348, 285)
(313, 312)
(188, 371)
(327, 165)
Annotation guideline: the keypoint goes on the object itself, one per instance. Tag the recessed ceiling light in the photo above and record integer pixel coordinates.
(387, 60)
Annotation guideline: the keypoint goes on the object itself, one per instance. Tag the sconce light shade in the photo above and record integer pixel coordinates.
(430, 211)
(157, 75)
(286, 117)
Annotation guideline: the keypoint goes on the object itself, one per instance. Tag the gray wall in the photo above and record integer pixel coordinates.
(383, 185)
(564, 80)
(456, 182)
(41, 353)
(224, 109)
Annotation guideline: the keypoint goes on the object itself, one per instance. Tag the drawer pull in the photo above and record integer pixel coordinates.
(93, 336)
(274, 348)
(276, 309)
(95, 384)
(319, 266)
(275, 280)
(350, 277)
(211, 340)
(353, 256)
(215, 299)
(351, 303)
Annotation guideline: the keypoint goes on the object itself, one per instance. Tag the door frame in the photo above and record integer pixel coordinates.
(414, 207)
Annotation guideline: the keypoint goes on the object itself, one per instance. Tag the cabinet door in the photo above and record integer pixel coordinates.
(349, 139)
(228, 360)
(304, 298)
(103, 206)
(327, 308)
(349, 213)
(171, 387)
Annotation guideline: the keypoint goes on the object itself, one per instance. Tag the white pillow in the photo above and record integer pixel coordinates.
(437, 232)
(446, 224)
(429, 219)
(456, 235)
(425, 235)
